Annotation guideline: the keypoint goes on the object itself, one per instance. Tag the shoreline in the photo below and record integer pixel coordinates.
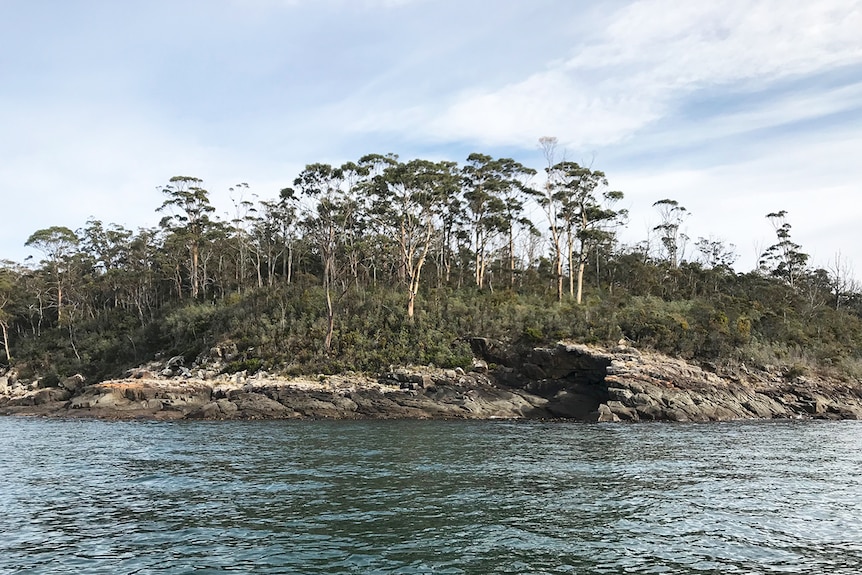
(568, 381)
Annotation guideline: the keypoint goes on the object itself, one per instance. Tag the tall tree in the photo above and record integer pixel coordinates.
(189, 209)
(408, 198)
(550, 202)
(482, 188)
(58, 243)
(275, 234)
(672, 217)
(8, 280)
(514, 194)
(783, 259)
(494, 198)
(586, 210)
(325, 223)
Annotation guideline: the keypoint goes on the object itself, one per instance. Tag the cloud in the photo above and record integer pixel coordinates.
(652, 54)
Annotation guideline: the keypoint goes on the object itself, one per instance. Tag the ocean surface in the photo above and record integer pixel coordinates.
(371, 497)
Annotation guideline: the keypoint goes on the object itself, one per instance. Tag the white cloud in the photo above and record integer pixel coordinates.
(653, 53)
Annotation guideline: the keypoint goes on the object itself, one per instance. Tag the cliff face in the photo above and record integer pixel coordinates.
(566, 381)
(624, 384)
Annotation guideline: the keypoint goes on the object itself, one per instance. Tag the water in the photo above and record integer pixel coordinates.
(307, 497)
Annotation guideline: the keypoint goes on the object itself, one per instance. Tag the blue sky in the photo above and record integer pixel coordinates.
(735, 109)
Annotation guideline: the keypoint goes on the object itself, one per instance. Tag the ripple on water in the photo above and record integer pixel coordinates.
(429, 497)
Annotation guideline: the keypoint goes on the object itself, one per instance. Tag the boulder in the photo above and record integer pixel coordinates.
(480, 366)
(73, 383)
(51, 395)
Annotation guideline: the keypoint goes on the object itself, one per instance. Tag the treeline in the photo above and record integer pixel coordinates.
(383, 261)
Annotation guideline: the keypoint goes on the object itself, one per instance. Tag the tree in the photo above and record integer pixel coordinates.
(494, 198)
(8, 279)
(552, 207)
(841, 281)
(514, 193)
(783, 259)
(715, 253)
(407, 199)
(483, 184)
(672, 216)
(325, 223)
(586, 210)
(189, 207)
(245, 218)
(58, 244)
(275, 234)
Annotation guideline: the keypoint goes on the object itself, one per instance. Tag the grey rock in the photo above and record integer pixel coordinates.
(73, 383)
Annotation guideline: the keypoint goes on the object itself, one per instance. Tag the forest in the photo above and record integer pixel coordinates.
(383, 261)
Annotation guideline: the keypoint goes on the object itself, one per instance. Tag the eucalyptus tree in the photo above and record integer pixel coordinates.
(783, 259)
(715, 253)
(585, 208)
(482, 187)
(843, 285)
(672, 217)
(453, 240)
(514, 193)
(9, 276)
(275, 234)
(494, 197)
(408, 200)
(104, 250)
(243, 221)
(327, 216)
(382, 257)
(141, 282)
(550, 202)
(58, 244)
(356, 240)
(189, 208)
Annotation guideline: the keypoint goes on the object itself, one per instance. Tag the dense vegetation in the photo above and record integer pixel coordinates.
(383, 261)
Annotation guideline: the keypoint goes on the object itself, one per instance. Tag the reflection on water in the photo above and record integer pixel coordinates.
(429, 497)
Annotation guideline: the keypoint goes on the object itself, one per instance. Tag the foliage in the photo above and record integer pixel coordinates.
(385, 262)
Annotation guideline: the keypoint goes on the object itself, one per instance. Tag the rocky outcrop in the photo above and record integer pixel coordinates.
(565, 381)
(417, 393)
(624, 384)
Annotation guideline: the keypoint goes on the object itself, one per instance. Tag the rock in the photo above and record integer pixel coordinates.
(73, 383)
(533, 371)
(622, 412)
(257, 406)
(480, 366)
(51, 395)
(604, 414)
(568, 380)
(573, 405)
(226, 406)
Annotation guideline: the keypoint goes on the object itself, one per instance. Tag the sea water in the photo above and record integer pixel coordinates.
(453, 497)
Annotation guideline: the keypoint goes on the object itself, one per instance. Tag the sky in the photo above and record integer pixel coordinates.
(734, 109)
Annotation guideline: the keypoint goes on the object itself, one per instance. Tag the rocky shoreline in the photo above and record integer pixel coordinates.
(567, 381)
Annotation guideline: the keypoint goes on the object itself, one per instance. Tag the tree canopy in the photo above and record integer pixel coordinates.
(385, 260)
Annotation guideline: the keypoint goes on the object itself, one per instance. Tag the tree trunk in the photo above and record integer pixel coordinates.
(511, 259)
(570, 249)
(194, 271)
(5, 329)
(581, 266)
(411, 304)
(330, 311)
